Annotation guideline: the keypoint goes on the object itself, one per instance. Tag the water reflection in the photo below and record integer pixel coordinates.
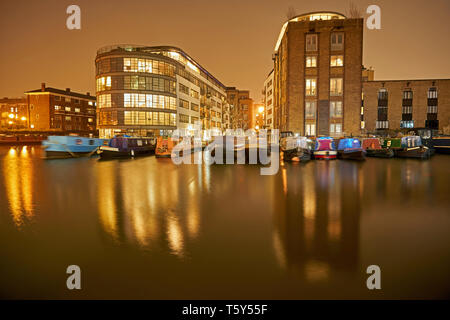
(18, 176)
(317, 223)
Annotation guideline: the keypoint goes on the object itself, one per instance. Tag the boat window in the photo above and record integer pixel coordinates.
(139, 143)
(91, 142)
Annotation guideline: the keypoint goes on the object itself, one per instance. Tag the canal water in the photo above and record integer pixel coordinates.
(147, 228)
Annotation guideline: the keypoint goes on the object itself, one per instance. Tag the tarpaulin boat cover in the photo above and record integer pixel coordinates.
(411, 141)
(349, 144)
(371, 143)
(325, 144)
(290, 143)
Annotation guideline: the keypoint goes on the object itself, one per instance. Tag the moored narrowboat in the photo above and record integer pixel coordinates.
(350, 149)
(412, 147)
(62, 147)
(297, 149)
(441, 144)
(373, 148)
(127, 147)
(164, 147)
(325, 149)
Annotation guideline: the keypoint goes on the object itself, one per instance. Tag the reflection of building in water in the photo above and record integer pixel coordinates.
(317, 221)
(18, 175)
(155, 211)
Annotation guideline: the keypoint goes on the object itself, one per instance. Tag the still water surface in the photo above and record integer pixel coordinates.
(147, 228)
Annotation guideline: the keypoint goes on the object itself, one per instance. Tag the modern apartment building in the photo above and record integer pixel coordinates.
(64, 111)
(150, 91)
(268, 101)
(13, 113)
(403, 104)
(317, 75)
(241, 106)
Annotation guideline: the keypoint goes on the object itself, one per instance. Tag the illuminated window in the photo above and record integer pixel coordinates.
(104, 101)
(183, 118)
(184, 104)
(363, 124)
(335, 109)
(67, 109)
(311, 61)
(336, 86)
(311, 42)
(183, 88)
(135, 100)
(57, 107)
(337, 61)
(68, 118)
(407, 124)
(382, 124)
(335, 128)
(311, 86)
(310, 110)
(310, 129)
(337, 41)
(194, 94)
(432, 93)
(90, 120)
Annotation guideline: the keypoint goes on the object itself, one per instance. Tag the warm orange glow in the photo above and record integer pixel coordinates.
(261, 109)
(23, 118)
(11, 116)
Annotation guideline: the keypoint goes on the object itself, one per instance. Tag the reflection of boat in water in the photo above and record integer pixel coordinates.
(412, 147)
(127, 147)
(60, 147)
(350, 149)
(296, 148)
(373, 149)
(325, 149)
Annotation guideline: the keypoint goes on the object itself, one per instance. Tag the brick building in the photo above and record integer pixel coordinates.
(317, 75)
(403, 104)
(13, 113)
(62, 111)
(241, 106)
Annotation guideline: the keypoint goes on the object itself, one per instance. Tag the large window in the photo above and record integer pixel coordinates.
(407, 124)
(382, 124)
(183, 118)
(107, 118)
(194, 94)
(148, 66)
(184, 104)
(432, 93)
(149, 83)
(311, 62)
(337, 61)
(104, 101)
(311, 42)
(335, 128)
(336, 88)
(336, 109)
(194, 106)
(311, 87)
(150, 118)
(103, 83)
(184, 89)
(135, 100)
(337, 41)
(310, 129)
(310, 110)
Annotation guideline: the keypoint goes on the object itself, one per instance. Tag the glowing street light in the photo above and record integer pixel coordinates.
(23, 118)
(11, 116)
(261, 109)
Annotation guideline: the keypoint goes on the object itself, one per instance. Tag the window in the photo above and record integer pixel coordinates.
(311, 62)
(310, 129)
(407, 124)
(194, 106)
(382, 124)
(432, 109)
(336, 109)
(104, 101)
(58, 98)
(336, 86)
(194, 119)
(90, 103)
(77, 110)
(57, 107)
(148, 66)
(183, 89)
(335, 128)
(90, 120)
(432, 93)
(406, 109)
(337, 41)
(135, 100)
(382, 94)
(407, 94)
(310, 110)
(311, 85)
(311, 42)
(184, 104)
(363, 124)
(183, 118)
(149, 118)
(337, 61)
(67, 109)
(194, 94)
(68, 118)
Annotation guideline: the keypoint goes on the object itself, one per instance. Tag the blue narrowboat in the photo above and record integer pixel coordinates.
(350, 148)
(62, 147)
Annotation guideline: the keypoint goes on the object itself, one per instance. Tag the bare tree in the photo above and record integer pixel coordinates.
(290, 13)
(353, 12)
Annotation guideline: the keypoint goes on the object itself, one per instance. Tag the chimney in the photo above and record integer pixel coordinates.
(43, 86)
(68, 89)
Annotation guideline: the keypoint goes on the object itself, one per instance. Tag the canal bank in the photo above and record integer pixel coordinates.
(147, 228)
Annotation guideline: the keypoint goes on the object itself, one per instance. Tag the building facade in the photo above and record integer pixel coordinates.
(406, 104)
(268, 101)
(241, 106)
(13, 113)
(150, 91)
(62, 111)
(317, 75)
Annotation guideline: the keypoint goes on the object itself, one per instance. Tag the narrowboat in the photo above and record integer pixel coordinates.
(373, 149)
(127, 147)
(441, 144)
(62, 147)
(325, 149)
(298, 149)
(350, 149)
(164, 147)
(412, 147)
(392, 144)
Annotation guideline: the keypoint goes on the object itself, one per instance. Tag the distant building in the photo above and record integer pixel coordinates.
(63, 111)
(268, 101)
(258, 116)
(151, 91)
(406, 104)
(241, 106)
(317, 75)
(13, 113)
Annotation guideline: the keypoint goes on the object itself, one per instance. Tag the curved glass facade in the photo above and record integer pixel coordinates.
(150, 91)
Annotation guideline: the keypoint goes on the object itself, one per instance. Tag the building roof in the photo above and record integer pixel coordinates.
(66, 92)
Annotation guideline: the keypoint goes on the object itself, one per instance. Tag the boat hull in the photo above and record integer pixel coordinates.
(358, 155)
(380, 153)
(416, 153)
(63, 147)
(66, 155)
(441, 144)
(325, 155)
(117, 154)
(297, 155)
